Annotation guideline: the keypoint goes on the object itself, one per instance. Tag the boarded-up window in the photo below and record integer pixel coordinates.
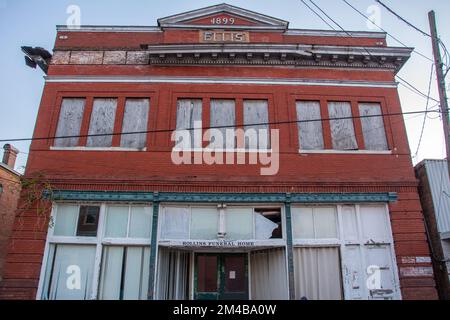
(61, 263)
(314, 223)
(69, 124)
(135, 120)
(204, 223)
(309, 129)
(342, 130)
(373, 126)
(222, 115)
(102, 123)
(257, 136)
(189, 112)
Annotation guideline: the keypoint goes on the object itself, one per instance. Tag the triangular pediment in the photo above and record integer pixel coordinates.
(223, 16)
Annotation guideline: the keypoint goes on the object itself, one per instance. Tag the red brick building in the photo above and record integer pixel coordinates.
(9, 195)
(327, 209)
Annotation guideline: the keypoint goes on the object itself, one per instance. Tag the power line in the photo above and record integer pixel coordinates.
(403, 19)
(387, 32)
(317, 14)
(329, 17)
(89, 163)
(425, 116)
(220, 127)
(417, 91)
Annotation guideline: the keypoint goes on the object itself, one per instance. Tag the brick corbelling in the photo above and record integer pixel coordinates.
(225, 187)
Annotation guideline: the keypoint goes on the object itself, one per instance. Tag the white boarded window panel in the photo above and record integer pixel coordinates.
(189, 111)
(69, 124)
(380, 256)
(116, 222)
(128, 222)
(124, 273)
(303, 223)
(373, 127)
(342, 130)
(140, 222)
(239, 223)
(63, 258)
(310, 132)
(374, 224)
(223, 113)
(325, 223)
(315, 223)
(350, 223)
(135, 120)
(175, 223)
(353, 273)
(317, 274)
(102, 123)
(204, 223)
(255, 112)
(66, 220)
(268, 275)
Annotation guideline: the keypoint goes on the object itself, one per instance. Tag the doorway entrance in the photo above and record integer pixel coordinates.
(221, 276)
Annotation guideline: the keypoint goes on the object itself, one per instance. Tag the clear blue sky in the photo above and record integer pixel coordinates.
(32, 22)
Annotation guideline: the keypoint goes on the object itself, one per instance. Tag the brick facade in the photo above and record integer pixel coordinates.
(119, 54)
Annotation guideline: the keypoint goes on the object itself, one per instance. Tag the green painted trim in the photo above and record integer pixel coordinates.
(290, 251)
(68, 195)
(153, 252)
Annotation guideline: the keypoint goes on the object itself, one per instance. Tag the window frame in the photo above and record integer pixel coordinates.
(118, 123)
(60, 103)
(206, 98)
(354, 101)
(281, 242)
(98, 241)
(342, 243)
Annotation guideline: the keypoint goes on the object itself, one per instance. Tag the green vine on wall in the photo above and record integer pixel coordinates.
(33, 198)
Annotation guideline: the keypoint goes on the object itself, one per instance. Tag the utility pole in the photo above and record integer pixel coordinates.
(441, 83)
(442, 274)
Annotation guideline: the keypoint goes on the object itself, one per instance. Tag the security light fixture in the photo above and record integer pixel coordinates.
(37, 57)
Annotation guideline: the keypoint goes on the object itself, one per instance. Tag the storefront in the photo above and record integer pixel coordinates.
(299, 246)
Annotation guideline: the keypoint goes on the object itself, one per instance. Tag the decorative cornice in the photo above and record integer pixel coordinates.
(65, 195)
(391, 58)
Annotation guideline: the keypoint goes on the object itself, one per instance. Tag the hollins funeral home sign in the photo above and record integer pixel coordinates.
(221, 155)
